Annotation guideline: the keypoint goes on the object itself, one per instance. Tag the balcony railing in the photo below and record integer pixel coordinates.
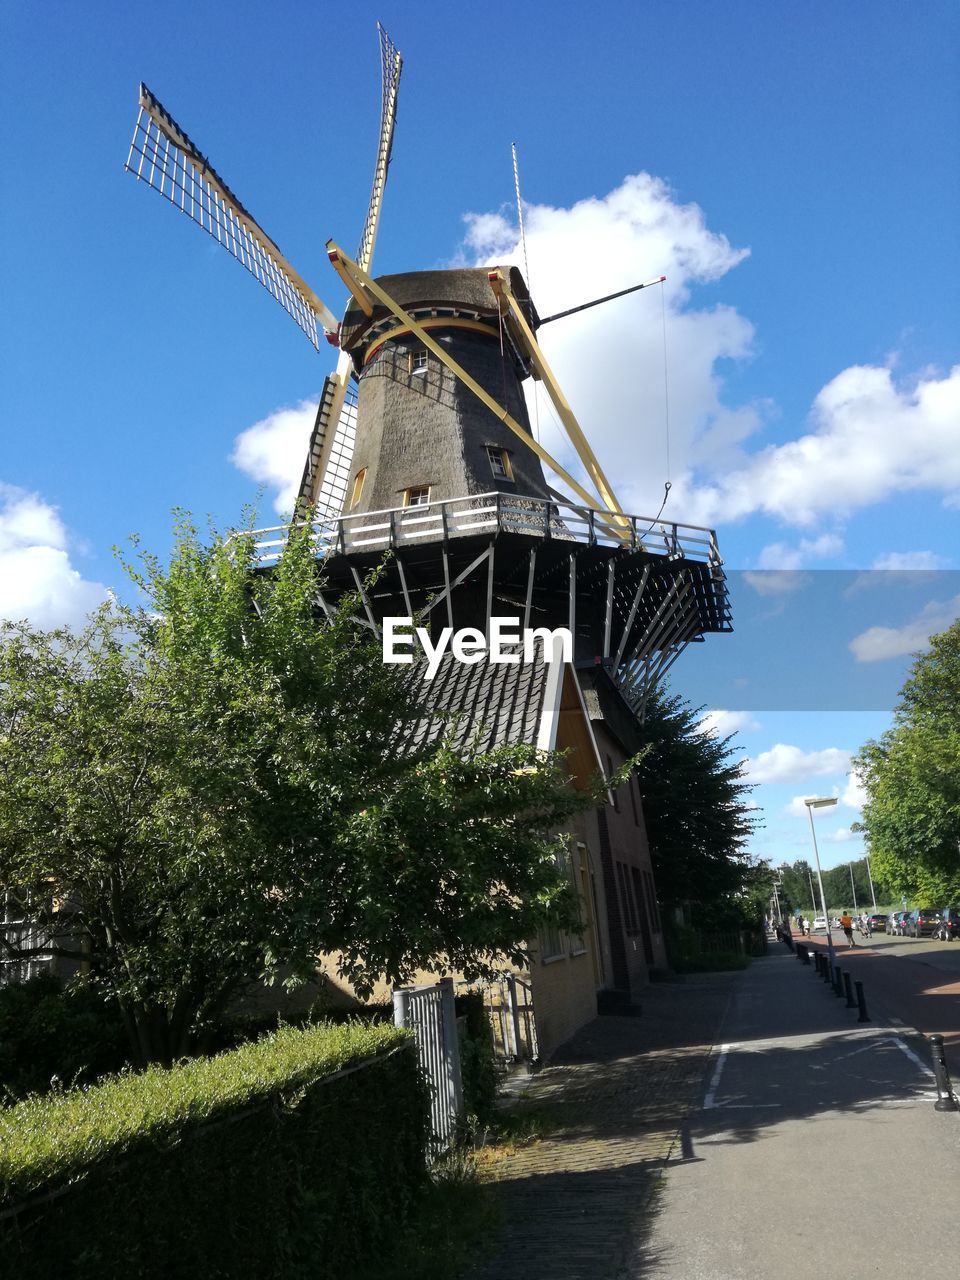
(493, 513)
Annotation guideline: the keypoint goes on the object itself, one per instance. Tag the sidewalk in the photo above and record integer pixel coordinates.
(804, 1142)
(613, 1101)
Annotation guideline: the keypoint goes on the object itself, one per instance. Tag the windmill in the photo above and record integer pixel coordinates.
(422, 443)
(422, 448)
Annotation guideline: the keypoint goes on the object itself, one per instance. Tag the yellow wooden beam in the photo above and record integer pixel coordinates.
(567, 417)
(359, 280)
(338, 259)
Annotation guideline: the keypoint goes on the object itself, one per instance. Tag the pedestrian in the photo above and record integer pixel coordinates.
(846, 924)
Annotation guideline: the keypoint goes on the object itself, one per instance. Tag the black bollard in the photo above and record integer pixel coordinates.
(827, 975)
(851, 1003)
(816, 963)
(945, 1097)
(864, 1016)
(806, 954)
(837, 981)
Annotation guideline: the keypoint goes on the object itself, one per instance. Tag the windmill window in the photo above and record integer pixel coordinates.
(358, 486)
(417, 495)
(418, 360)
(499, 462)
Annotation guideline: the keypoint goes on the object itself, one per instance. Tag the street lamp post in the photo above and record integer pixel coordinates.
(873, 892)
(813, 897)
(853, 890)
(821, 802)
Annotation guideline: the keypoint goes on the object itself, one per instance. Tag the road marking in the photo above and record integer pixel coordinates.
(711, 1099)
(912, 1056)
(853, 1052)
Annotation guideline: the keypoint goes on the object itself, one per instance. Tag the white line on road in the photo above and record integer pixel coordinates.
(912, 1056)
(711, 1099)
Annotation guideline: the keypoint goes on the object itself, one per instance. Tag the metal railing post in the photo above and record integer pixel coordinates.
(851, 1003)
(451, 1044)
(946, 1101)
(401, 1007)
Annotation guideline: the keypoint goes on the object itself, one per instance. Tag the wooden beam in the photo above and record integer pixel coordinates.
(359, 280)
(529, 344)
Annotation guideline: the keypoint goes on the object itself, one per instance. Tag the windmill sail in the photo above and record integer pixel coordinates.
(331, 452)
(330, 485)
(164, 157)
(390, 66)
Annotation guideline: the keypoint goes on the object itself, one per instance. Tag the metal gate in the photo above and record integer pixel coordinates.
(509, 1003)
(430, 1013)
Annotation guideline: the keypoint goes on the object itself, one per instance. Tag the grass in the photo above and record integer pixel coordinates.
(451, 1227)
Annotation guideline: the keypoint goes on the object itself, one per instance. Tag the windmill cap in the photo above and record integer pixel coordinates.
(462, 291)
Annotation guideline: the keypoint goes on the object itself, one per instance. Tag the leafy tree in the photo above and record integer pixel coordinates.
(695, 804)
(214, 787)
(912, 778)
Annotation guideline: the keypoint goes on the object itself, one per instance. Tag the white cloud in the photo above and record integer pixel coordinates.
(723, 723)
(870, 439)
(840, 836)
(37, 580)
(912, 561)
(273, 452)
(878, 643)
(601, 245)
(783, 763)
(854, 793)
(870, 434)
(775, 582)
(778, 555)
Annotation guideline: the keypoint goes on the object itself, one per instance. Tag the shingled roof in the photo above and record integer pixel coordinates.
(487, 705)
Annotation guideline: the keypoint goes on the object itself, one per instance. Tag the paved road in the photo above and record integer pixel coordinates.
(816, 1145)
(910, 982)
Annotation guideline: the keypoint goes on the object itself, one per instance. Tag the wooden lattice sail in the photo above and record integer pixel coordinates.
(162, 156)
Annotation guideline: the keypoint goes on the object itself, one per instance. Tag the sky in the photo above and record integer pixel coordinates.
(791, 168)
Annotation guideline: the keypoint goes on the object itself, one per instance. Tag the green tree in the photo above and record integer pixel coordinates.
(696, 807)
(212, 788)
(912, 778)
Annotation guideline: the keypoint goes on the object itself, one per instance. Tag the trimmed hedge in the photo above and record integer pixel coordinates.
(47, 1033)
(296, 1155)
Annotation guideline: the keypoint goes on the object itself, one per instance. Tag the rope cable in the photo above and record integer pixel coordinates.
(666, 389)
(526, 272)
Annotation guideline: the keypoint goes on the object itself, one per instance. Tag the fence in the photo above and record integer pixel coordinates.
(509, 1004)
(430, 1013)
(491, 513)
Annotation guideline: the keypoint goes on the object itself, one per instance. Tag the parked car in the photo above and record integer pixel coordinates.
(949, 927)
(922, 922)
(819, 925)
(876, 922)
(899, 918)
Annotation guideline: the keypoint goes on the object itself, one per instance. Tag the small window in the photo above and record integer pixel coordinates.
(417, 496)
(358, 486)
(418, 360)
(499, 462)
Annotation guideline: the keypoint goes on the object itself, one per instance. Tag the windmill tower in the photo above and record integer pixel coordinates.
(422, 449)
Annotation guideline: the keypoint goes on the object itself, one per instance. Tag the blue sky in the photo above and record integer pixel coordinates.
(791, 168)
